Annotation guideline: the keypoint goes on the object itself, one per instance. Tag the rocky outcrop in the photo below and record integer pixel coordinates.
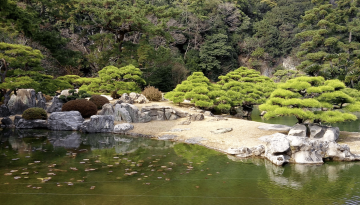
(122, 128)
(282, 148)
(107, 109)
(24, 99)
(132, 110)
(69, 120)
(121, 114)
(4, 111)
(55, 106)
(98, 123)
(31, 124)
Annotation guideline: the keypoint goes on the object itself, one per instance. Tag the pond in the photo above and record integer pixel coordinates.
(352, 126)
(47, 167)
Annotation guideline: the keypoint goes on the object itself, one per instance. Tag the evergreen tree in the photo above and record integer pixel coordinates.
(310, 98)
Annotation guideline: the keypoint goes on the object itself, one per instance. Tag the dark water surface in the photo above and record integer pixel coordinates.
(45, 167)
(352, 126)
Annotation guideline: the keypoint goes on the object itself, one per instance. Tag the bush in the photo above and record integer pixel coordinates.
(99, 100)
(34, 113)
(73, 95)
(114, 94)
(85, 107)
(152, 93)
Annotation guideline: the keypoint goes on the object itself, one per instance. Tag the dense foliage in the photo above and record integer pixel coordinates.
(312, 99)
(99, 101)
(152, 93)
(85, 107)
(34, 113)
(73, 95)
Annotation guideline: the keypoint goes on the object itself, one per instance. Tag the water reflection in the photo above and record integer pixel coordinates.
(128, 170)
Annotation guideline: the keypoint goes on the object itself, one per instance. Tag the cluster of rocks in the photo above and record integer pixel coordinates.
(24, 99)
(133, 98)
(72, 120)
(302, 145)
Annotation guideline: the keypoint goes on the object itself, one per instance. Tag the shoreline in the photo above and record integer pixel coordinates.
(244, 133)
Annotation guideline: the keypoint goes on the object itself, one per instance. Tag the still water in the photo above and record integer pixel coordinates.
(46, 167)
(352, 126)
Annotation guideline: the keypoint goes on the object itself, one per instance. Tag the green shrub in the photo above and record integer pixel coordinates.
(99, 100)
(73, 95)
(85, 107)
(152, 93)
(34, 113)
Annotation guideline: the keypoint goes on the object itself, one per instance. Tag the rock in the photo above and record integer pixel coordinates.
(141, 99)
(6, 121)
(278, 159)
(144, 117)
(298, 130)
(244, 152)
(16, 119)
(122, 128)
(4, 111)
(200, 111)
(167, 137)
(66, 92)
(108, 97)
(307, 157)
(121, 113)
(186, 101)
(196, 117)
(208, 113)
(277, 145)
(107, 109)
(324, 133)
(185, 123)
(69, 120)
(263, 113)
(98, 123)
(217, 118)
(331, 134)
(125, 98)
(179, 130)
(134, 96)
(132, 110)
(258, 150)
(180, 113)
(173, 117)
(221, 130)
(24, 99)
(55, 106)
(31, 124)
(195, 140)
(274, 127)
(41, 101)
(160, 116)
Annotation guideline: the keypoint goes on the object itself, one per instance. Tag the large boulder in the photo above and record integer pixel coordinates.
(132, 110)
(98, 123)
(122, 128)
(144, 117)
(107, 109)
(138, 98)
(41, 101)
(4, 111)
(31, 124)
(69, 120)
(24, 99)
(298, 130)
(55, 106)
(324, 133)
(121, 114)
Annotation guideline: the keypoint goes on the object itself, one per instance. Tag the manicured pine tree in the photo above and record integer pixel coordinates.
(312, 99)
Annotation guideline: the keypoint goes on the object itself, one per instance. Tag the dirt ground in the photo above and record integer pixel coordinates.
(244, 134)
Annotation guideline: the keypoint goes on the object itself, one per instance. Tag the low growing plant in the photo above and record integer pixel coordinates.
(85, 107)
(34, 113)
(152, 93)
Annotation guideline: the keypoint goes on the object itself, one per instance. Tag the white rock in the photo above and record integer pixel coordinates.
(122, 128)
